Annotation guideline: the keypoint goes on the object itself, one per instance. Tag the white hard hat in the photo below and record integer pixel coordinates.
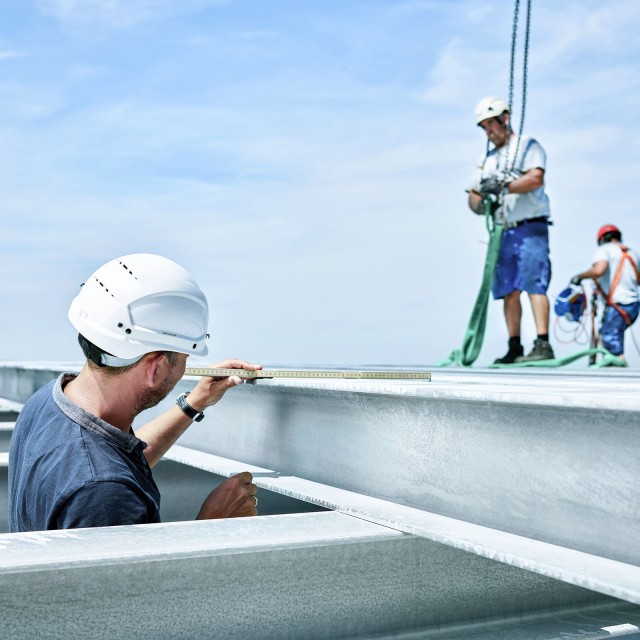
(138, 304)
(490, 107)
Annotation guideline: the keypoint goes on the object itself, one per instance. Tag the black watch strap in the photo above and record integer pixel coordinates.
(188, 409)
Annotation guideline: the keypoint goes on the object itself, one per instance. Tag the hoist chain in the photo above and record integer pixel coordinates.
(525, 65)
(514, 38)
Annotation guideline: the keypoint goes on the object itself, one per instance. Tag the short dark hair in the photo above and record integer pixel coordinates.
(93, 353)
(611, 235)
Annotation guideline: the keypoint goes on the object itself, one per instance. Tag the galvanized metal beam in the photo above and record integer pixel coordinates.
(324, 575)
(596, 573)
(543, 458)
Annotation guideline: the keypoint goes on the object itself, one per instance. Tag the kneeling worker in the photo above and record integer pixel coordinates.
(74, 459)
(615, 273)
(523, 262)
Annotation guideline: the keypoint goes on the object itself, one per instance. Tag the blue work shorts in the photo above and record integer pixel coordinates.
(613, 327)
(523, 261)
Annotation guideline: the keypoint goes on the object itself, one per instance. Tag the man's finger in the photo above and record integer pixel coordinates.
(245, 477)
(234, 363)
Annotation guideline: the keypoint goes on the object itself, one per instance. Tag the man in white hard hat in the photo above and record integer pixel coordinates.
(74, 458)
(512, 173)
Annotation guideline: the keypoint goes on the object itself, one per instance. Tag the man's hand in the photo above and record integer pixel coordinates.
(491, 186)
(576, 280)
(210, 390)
(234, 498)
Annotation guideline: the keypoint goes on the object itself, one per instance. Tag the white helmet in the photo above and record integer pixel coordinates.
(490, 107)
(138, 304)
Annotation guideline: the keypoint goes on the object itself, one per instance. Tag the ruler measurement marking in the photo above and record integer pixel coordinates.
(291, 373)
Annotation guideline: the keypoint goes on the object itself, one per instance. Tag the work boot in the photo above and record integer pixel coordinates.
(541, 351)
(510, 357)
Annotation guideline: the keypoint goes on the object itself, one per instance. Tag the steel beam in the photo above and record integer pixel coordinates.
(545, 458)
(324, 575)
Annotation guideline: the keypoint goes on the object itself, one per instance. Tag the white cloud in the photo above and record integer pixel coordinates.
(478, 13)
(117, 14)
(10, 55)
(416, 6)
(28, 101)
(460, 70)
(564, 33)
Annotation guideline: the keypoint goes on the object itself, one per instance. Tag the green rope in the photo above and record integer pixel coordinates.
(474, 336)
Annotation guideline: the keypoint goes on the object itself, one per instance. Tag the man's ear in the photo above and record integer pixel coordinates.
(152, 364)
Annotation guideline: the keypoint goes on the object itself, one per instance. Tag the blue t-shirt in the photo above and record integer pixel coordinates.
(70, 469)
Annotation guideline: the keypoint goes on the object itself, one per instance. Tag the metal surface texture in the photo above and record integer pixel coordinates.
(596, 573)
(484, 504)
(468, 447)
(323, 575)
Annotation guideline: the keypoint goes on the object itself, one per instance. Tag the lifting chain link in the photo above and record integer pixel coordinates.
(525, 65)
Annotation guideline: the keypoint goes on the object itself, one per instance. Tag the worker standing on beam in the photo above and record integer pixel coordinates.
(616, 276)
(512, 172)
(75, 460)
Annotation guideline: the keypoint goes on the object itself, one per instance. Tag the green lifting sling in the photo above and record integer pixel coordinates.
(474, 336)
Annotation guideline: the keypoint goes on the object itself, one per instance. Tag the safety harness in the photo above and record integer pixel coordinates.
(608, 298)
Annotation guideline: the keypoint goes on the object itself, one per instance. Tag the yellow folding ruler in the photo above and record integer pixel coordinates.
(312, 373)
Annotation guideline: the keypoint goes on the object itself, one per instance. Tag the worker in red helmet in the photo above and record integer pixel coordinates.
(512, 172)
(615, 274)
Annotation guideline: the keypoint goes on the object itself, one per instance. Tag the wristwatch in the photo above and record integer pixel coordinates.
(188, 409)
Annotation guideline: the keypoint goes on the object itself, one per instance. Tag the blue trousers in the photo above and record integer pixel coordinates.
(614, 326)
(523, 261)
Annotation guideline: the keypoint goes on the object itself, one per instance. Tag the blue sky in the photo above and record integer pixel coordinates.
(305, 160)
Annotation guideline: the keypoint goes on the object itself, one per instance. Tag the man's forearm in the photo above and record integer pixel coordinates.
(597, 270)
(161, 433)
(475, 202)
(527, 182)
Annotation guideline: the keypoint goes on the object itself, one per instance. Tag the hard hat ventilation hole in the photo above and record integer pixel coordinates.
(105, 288)
(120, 325)
(127, 331)
(127, 269)
(194, 346)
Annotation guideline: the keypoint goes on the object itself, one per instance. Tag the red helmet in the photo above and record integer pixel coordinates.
(607, 228)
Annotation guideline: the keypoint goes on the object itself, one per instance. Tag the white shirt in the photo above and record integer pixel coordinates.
(531, 155)
(626, 290)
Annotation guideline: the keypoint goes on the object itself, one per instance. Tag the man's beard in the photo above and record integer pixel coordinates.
(153, 396)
